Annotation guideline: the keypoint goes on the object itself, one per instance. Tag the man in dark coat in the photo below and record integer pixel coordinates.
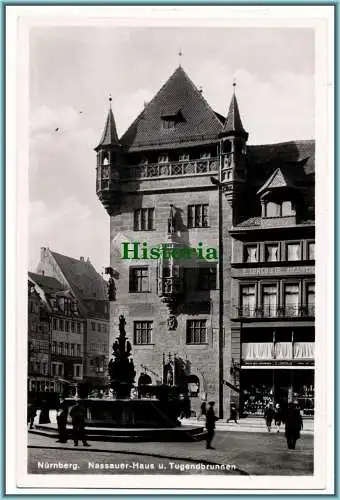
(293, 425)
(77, 415)
(31, 414)
(62, 423)
(210, 424)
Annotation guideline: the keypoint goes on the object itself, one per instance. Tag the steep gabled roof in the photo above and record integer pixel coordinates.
(82, 277)
(280, 178)
(180, 97)
(109, 136)
(47, 283)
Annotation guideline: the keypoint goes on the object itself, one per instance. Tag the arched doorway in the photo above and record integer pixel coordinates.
(144, 379)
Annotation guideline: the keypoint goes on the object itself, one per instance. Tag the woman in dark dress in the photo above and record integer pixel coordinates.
(293, 425)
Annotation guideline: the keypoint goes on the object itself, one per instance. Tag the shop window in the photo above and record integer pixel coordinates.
(248, 300)
(144, 219)
(293, 251)
(250, 253)
(271, 252)
(139, 279)
(143, 332)
(196, 331)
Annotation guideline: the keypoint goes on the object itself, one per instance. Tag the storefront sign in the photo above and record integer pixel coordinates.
(272, 271)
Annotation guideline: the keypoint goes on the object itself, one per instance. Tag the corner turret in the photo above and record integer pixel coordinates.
(108, 161)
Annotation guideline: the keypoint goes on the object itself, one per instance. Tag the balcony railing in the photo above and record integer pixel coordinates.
(170, 169)
(305, 311)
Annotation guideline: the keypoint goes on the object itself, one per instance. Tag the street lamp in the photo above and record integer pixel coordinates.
(218, 184)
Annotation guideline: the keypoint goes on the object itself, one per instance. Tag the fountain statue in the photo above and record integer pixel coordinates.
(121, 368)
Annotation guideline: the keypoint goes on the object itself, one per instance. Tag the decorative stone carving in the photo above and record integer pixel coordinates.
(172, 322)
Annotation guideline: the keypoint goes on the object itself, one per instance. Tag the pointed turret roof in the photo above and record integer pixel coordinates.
(110, 136)
(178, 100)
(233, 123)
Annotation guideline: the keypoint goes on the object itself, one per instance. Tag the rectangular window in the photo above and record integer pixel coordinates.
(54, 347)
(60, 370)
(250, 253)
(144, 219)
(67, 326)
(60, 347)
(72, 326)
(99, 327)
(78, 327)
(269, 300)
(54, 369)
(78, 350)
(93, 325)
(54, 324)
(198, 215)
(293, 251)
(287, 209)
(196, 331)
(291, 300)
(61, 324)
(142, 332)
(207, 278)
(66, 349)
(311, 299)
(44, 367)
(139, 279)
(271, 253)
(248, 300)
(71, 349)
(76, 371)
(311, 250)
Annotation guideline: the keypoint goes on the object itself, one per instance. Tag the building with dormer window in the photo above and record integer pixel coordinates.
(239, 329)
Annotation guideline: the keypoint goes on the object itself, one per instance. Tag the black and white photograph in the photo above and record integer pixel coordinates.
(172, 326)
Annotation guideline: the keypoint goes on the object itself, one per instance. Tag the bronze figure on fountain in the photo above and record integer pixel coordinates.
(121, 368)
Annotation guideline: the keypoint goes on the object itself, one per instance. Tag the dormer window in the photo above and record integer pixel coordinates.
(170, 117)
(168, 124)
(279, 209)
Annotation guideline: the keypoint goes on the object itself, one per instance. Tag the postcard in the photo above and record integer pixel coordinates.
(170, 228)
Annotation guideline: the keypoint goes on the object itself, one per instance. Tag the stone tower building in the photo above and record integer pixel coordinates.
(183, 176)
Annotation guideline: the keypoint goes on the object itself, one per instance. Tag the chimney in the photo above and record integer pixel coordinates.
(88, 260)
(82, 259)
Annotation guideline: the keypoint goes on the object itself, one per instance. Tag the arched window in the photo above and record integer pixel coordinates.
(105, 161)
(272, 209)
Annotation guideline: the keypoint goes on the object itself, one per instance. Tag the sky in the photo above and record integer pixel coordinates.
(74, 69)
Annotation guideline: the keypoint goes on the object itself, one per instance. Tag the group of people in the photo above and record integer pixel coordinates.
(291, 418)
(77, 414)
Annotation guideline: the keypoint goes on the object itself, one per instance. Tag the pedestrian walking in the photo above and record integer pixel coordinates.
(269, 414)
(203, 411)
(233, 414)
(293, 425)
(77, 415)
(210, 420)
(278, 416)
(31, 414)
(44, 417)
(62, 423)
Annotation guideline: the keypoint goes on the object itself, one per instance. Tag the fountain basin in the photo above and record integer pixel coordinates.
(128, 413)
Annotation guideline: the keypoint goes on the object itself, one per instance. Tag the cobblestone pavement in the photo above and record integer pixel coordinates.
(251, 453)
